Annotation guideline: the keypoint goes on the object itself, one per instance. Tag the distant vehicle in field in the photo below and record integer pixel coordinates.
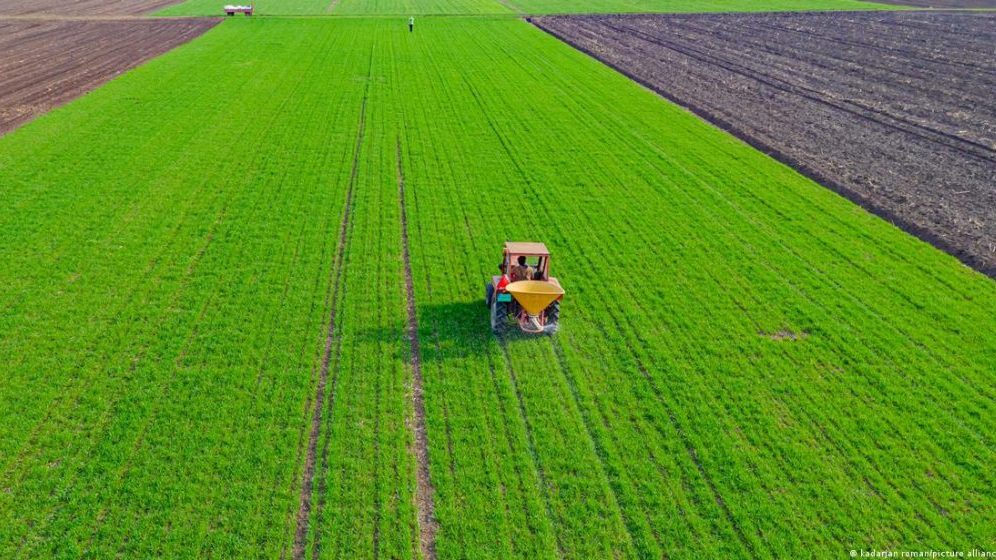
(231, 10)
(524, 292)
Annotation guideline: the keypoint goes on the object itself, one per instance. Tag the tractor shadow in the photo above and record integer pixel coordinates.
(447, 332)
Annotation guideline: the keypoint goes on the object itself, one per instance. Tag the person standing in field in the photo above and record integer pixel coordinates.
(411, 24)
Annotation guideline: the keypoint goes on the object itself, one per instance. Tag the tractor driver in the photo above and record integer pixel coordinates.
(522, 270)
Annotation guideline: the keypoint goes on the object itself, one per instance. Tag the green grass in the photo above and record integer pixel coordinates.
(421, 7)
(511, 7)
(345, 7)
(169, 246)
(262, 7)
(167, 260)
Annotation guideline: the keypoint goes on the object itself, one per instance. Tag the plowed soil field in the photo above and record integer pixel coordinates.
(942, 3)
(81, 7)
(46, 63)
(894, 110)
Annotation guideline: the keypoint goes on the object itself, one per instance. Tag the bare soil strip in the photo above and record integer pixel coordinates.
(424, 491)
(44, 64)
(82, 7)
(940, 4)
(331, 342)
(892, 110)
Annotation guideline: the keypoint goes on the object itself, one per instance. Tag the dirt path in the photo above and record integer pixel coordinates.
(941, 4)
(424, 491)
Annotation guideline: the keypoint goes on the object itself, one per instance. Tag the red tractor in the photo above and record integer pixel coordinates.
(524, 292)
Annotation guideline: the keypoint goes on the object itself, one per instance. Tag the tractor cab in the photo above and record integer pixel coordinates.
(524, 291)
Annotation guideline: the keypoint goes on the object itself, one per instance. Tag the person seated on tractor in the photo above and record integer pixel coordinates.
(522, 270)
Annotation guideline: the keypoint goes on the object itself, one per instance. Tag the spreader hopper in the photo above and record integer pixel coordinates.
(534, 295)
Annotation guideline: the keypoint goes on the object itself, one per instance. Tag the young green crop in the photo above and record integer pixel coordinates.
(512, 7)
(748, 366)
(262, 8)
(168, 245)
(419, 7)
(343, 7)
(746, 358)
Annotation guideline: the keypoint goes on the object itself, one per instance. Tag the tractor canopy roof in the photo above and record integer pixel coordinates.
(526, 248)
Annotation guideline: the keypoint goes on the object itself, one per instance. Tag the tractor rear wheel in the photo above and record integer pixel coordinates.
(499, 317)
(489, 293)
(552, 314)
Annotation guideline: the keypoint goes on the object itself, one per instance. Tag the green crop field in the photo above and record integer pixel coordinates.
(512, 7)
(264, 7)
(413, 7)
(205, 334)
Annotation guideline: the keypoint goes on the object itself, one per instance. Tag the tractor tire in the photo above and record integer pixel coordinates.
(489, 293)
(552, 318)
(499, 317)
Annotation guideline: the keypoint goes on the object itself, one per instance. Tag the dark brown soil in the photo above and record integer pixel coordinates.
(46, 63)
(424, 490)
(971, 4)
(82, 7)
(894, 110)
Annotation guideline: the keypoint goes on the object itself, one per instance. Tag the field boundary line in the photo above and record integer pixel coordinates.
(795, 164)
(427, 522)
(331, 342)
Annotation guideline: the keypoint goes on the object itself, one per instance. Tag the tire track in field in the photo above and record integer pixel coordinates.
(428, 525)
(335, 295)
(333, 346)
